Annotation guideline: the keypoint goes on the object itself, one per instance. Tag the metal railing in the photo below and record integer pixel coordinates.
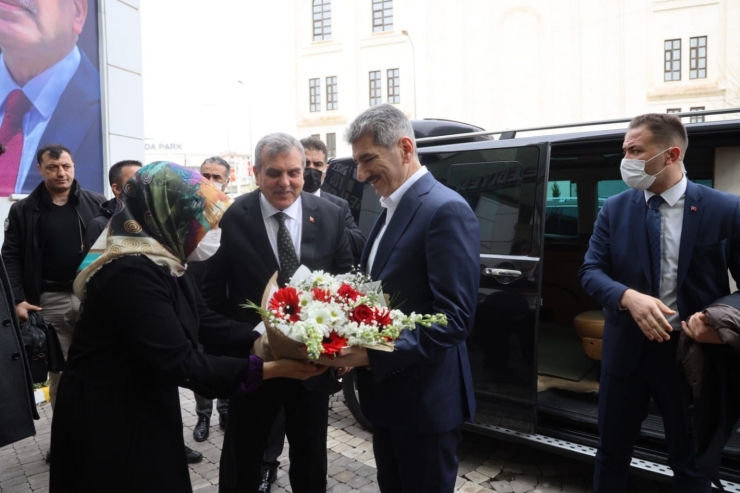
(511, 133)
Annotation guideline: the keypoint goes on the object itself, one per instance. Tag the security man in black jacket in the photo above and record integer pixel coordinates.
(43, 245)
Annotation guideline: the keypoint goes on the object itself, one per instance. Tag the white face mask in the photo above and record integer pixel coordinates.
(634, 175)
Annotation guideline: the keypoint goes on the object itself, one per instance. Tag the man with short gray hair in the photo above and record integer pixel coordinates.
(418, 396)
(255, 232)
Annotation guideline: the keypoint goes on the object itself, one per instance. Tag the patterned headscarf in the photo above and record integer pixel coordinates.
(163, 212)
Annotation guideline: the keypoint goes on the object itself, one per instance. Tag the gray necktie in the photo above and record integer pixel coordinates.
(286, 251)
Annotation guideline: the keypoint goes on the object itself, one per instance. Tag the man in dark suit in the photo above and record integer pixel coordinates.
(49, 90)
(424, 248)
(313, 178)
(659, 253)
(275, 228)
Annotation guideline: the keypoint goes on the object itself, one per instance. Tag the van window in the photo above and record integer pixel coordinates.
(609, 188)
(500, 186)
(561, 212)
(492, 190)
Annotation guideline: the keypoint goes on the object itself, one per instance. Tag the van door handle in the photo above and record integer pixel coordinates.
(504, 276)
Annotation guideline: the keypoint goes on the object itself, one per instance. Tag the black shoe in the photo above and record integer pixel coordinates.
(48, 456)
(268, 477)
(193, 456)
(200, 432)
(222, 420)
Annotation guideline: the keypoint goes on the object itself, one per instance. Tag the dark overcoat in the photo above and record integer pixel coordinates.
(17, 406)
(117, 418)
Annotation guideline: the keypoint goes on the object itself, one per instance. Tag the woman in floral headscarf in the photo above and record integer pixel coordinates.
(117, 418)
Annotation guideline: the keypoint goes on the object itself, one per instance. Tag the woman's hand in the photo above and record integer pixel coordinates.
(290, 368)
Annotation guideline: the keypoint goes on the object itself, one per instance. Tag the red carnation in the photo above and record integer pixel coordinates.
(323, 295)
(333, 343)
(346, 292)
(383, 316)
(363, 313)
(285, 304)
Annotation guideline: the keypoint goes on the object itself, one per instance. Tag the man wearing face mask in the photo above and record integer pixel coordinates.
(216, 170)
(313, 178)
(659, 253)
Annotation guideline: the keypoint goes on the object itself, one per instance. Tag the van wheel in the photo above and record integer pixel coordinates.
(352, 399)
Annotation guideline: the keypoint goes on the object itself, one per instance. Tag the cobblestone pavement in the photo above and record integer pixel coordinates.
(486, 465)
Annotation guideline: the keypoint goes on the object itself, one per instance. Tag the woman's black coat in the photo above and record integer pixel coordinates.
(117, 419)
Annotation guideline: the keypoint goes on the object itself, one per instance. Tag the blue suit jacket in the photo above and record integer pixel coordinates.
(618, 259)
(76, 124)
(428, 259)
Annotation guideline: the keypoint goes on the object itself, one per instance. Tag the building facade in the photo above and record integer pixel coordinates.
(242, 176)
(511, 63)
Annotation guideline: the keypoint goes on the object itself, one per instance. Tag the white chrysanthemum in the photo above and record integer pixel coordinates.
(337, 314)
(314, 323)
(319, 313)
(318, 278)
(333, 286)
(304, 298)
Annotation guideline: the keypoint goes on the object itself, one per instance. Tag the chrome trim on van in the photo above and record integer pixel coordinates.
(510, 257)
(577, 451)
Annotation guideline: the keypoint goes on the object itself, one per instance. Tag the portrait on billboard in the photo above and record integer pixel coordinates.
(49, 89)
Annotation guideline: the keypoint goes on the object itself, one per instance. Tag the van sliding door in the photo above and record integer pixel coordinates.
(502, 186)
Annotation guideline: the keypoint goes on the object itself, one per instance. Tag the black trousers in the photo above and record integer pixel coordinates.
(204, 406)
(275, 443)
(410, 463)
(251, 419)
(623, 406)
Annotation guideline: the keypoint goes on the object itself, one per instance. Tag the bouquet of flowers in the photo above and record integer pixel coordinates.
(319, 314)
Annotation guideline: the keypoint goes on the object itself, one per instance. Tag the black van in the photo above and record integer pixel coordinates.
(536, 345)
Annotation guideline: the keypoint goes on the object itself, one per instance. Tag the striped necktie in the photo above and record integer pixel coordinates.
(11, 136)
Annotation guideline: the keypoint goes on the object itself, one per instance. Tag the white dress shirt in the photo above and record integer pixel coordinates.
(294, 223)
(207, 246)
(44, 92)
(317, 193)
(391, 204)
(671, 225)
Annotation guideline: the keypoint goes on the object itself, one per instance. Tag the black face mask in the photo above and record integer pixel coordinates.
(311, 179)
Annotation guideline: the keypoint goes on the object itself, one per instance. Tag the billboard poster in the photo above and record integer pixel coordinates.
(49, 89)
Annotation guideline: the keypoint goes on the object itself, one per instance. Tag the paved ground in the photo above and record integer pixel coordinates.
(486, 465)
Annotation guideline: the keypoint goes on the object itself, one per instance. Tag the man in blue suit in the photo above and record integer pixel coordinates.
(659, 253)
(49, 92)
(424, 248)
